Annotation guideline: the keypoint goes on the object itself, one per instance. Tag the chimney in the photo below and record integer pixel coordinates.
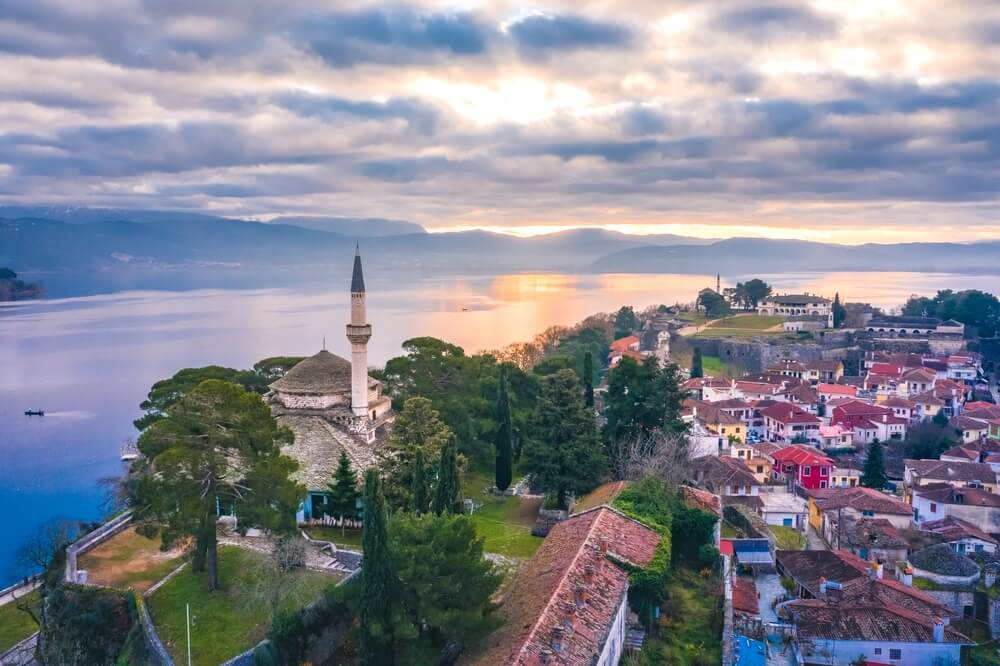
(878, 570)
(545, 655)
(885, 418)
(602, 546)
(822, 587)
(557, 638)
(938, 630)
(588, 573)
(580, 595)
(569, 612)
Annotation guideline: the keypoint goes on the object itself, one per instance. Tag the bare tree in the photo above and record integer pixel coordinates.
(38, 552)
(279, 576)
(664, 455)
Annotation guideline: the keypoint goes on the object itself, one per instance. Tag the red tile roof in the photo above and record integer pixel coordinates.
(837, 389)
(745, 596)
(621, 344)
(887, 369)
(863, 499)
(544, 594)
(954, 529)
(788, 413)
(857, 407)
(797, 454)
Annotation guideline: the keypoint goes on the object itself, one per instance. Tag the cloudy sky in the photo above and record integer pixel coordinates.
(833, 120)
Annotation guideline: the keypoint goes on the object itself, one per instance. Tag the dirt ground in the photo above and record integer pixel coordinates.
(128, 560)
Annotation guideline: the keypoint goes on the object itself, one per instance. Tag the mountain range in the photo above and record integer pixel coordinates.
(50, 238)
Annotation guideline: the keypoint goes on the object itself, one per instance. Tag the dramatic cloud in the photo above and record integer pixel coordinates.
(832, 119)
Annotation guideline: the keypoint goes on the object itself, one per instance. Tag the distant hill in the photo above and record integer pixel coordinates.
(82, 215)
(359, 227)
(760, 255)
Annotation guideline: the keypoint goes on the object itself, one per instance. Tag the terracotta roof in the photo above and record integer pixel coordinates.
(871, 533)
(702, 499)
(803, 394)
(767, 449)
(807, 567)
(621, 344)
(887, 369)
(918, 374)
(848, 621)
(961, 452)
(987, 413)
(964, 496)
(545, 593)
(745, 595)
(758, 387)
(788, 413)
(605, 493)
(732, 403)
(837, 389)
(321, 373)
(858, 408)
(798, 454)
(951, 471)
(896, 401)
(860, 498)
(967, 423)
(928, 398)
(954, 529)
(824, 365)
(989, 407)
(716, 473)
(787, 365)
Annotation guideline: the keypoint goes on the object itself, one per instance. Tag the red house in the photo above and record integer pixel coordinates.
(857, 413)
(807, 466)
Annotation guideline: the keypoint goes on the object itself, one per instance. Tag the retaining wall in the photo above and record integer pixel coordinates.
(90, 540)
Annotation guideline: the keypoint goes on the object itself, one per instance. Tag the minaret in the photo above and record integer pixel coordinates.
(358, 332)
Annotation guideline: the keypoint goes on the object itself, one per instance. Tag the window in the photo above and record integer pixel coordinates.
(760, 469)
(786, 522)
(823, 471)
(979, 547)
(933, 507)
(868, 514)
(878, 650)
(822, 484)
(895, 653)
(807, 471)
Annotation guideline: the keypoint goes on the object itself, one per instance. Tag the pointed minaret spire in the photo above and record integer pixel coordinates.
(358, 333)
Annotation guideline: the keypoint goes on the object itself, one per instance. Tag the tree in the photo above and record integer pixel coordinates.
(447, 490)
(625, 321)
(344, 492)
(976, 309)
(839, 311)
(167, 392)
(419, 490)
(504, 443)
(564, 452)
(417, 426)
(756, 291)
(377, 579)
(444, 585)
(940, 418)
(218, 446)
(713, 303)
(929, 440)
(663, 455)
(588, 379)
(873, 475)
(697, 370)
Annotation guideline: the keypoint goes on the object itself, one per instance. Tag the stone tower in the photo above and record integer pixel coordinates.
(358, 333)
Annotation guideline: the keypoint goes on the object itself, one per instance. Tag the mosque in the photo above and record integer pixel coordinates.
(332, 405)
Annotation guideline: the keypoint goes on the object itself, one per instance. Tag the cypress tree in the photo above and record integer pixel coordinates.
(873, 475)
(418, 487)
(504, 445)
(696, 366)
(446, 498)
(588, 379)
(839, 311)
(375, 646)
(344, 491)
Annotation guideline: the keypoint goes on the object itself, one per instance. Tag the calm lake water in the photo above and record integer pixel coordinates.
(88, 360)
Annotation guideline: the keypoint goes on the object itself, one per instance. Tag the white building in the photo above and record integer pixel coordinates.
(797, 305)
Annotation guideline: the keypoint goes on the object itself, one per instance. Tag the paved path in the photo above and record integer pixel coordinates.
(18, 592)
(814, 541)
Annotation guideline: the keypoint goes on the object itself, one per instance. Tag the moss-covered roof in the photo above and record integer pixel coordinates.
(942, 559)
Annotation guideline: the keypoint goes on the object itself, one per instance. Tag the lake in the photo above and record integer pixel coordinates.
(88, 354)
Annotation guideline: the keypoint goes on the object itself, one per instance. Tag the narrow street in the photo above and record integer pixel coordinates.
(814, 541)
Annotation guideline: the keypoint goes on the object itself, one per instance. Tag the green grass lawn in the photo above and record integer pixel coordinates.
(741, 326)
(713, 365)
(230, 620)
(788, 538)
(351, 538)
(729, 531)
(129, 560)
(503, 522)
(690, 632)
(16, 625)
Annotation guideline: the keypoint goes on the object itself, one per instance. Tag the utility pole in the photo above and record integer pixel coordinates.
(188, 609)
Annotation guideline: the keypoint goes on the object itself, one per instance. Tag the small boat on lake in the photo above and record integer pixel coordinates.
(34, 412)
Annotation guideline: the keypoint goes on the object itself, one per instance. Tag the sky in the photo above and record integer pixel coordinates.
(876, 120)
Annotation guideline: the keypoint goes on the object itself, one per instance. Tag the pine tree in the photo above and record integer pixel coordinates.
(564, 453)
(344, 491)
(696, 364)
(376, 645)
(839, 311)
(504, 445)
(588, 379)
(874, 471)
(418, 487)
(446, 495)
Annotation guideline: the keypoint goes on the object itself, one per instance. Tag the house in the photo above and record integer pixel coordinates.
(784, 509)
(836, 504)
(973, 505)
(788, 368)
(824, 371)
(759, 466)
(845, 477)
(615, 356)
(628, 343)
(724, 476)
(569, 603)
(972, 430)
(804, 396)
(901, 407)
(720, 422)
(915, 382)
(832, 630)
(962, 536)
(784, 422)
(835, 437)
(710, 389)
(960, 454)
(853, 413)
(797, 305)
(956, 474)
(827, 392)
(757, 390)
(943, 566)
(873, 539)
(927, 405)
(883, 429)
(803, 465)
